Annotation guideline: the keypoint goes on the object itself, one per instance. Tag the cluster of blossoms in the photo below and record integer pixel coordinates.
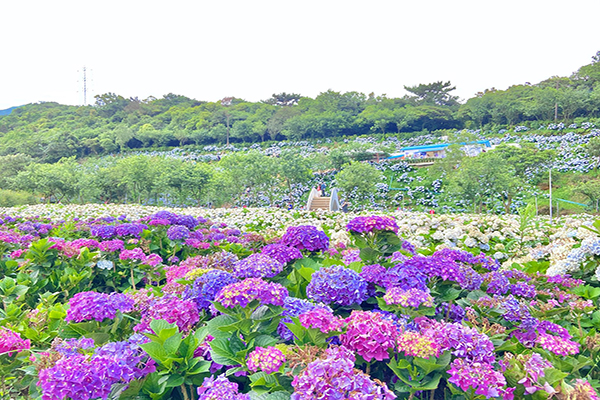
(12, 342)
(305, 237)
(71, 347)
(335, 378)
(480, 376)
(220, 389)
(85, 306)
(408, 298)
(207, 286)
(257, 266)
(183, 313)
(322, 319)
(178, 232)
(370, 335)
(266, 359)
(248, 290)
(139, 255)
(371, 224)
(282, 253)
(338, 285)
(416, 344)
(533, 367)
(293, 307)
(82, 377)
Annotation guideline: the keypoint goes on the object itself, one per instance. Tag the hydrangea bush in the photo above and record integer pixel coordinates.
(165, 305)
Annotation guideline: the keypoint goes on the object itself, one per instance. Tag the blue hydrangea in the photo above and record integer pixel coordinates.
(208, 285)
(292, 307)
(337, 285)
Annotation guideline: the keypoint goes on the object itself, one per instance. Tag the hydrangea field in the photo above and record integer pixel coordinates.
(131, 302)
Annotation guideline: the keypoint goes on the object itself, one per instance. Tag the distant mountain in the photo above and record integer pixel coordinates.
(7, 111)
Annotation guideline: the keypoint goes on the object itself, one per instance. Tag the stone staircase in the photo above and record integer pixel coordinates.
(320, 203)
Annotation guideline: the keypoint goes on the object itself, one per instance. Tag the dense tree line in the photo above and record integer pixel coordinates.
(50, 131)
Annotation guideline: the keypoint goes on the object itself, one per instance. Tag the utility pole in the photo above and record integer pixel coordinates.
(84, 87)
(550, 186)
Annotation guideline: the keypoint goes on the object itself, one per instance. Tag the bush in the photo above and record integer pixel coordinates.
(11, 198)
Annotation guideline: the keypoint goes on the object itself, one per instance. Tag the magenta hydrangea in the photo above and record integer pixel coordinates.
(305, 237)
(370, 335)
(335, 378)
(266, 359)
(12, 342)
(248, 290)
(85, 306)
(322, 319)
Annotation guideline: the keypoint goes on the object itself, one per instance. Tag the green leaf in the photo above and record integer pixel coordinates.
(369, 255)
(155, 350)
(265, 341)
(171, 344)
(220, 352)
(175, 380)
(432, 384)
(280, 395)
(554, 376)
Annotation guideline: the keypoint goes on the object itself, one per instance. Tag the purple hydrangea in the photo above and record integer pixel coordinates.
(86, 306)
(103, 231)
(338, 285)
(282, 253)
(248, 290)
(178, 232)
(257, 266)
(183, 313)
(479, 376)
(335, 378)
(373, 223)
(408, 275)
(305, 237)
(220, 389)
(70, 347)
(130, 229)
(80, 377)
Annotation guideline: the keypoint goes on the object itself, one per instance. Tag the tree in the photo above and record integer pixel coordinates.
(284, 99)
(484, 177)
(359, 178)
(276, 123)
(436, 93)
(590, 189)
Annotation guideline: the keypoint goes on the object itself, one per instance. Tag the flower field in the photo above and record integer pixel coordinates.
(131, 302)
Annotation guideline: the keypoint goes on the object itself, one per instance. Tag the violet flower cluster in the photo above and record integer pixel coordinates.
(282, 253)
(337, 285)
(335, 378)
(81, 377)
(220, 389)
(305, 237)
(85, 306)
(373, 223)
(480, 376)
(248, 290)
(183, 313)
(257, 266)
(178, 232)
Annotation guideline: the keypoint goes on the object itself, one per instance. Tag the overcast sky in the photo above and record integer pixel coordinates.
(251, 49)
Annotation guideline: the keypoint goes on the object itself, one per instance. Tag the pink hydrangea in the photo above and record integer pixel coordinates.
(370, 335)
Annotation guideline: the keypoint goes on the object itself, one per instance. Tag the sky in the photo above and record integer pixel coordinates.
(251, 49)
